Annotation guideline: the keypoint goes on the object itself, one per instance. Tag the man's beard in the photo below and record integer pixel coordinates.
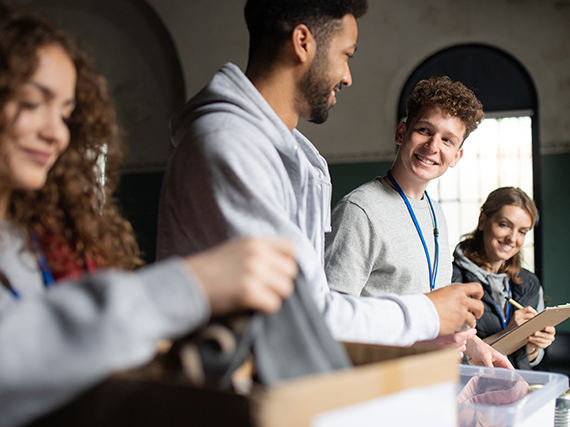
(316, 89)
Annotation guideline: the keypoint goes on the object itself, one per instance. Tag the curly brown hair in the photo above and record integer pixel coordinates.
(75, 210)
(473, 246)
(453, 97)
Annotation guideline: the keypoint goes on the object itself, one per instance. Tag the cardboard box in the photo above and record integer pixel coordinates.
(387, 383)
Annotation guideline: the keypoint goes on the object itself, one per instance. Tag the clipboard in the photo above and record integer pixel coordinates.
(511, 341)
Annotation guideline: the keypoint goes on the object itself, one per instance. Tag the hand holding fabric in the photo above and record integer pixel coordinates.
(246, 273)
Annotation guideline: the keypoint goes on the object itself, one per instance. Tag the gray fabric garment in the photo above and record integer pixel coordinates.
(18, 266)
(499, 284)
(56, 343)
(296, 341)
(374, 247)
(238, 170)
(288, 344)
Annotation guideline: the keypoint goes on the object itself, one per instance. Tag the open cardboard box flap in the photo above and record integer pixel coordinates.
(379, 371)
(147, 397)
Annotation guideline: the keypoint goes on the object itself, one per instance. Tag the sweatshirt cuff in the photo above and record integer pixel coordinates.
(176, 291)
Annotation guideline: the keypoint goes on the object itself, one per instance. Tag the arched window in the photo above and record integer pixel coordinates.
(502, 151)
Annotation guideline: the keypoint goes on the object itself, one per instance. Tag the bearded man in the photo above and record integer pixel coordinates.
(241, 167)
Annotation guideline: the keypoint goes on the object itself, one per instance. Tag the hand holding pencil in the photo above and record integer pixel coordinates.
(540, 339)
(520, 315)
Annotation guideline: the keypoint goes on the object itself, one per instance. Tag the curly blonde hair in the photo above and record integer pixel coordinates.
(453, 97)
(74, 210)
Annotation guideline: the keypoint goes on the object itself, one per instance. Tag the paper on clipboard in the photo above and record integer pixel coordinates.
(516, 338)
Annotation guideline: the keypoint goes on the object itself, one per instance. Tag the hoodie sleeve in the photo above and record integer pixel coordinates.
(57, 345)
(226, 179)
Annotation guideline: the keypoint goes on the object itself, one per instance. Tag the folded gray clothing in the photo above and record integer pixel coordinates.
(291, 343)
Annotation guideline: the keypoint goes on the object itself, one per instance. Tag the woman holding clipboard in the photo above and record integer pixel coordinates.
(491, 256)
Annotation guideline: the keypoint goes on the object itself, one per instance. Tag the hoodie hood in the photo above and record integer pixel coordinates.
(497, 282)
(483, 275)
(230, 91)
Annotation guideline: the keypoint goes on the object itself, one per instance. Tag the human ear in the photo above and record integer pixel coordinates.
(400, 132)
(304, 44)
(457, 157)
(482, 220)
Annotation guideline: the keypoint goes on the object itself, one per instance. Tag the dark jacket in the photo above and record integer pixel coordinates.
(490, 323)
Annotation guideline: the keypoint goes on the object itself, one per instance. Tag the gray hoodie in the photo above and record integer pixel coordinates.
(238, 170)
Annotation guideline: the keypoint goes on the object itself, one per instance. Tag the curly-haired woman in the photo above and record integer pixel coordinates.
(491, 255)
(57, 219)
(69, 212)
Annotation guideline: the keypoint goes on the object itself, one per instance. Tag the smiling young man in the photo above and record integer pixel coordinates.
(388, 236)
(242, 168)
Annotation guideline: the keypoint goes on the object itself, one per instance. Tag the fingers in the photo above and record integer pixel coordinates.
(482, 354)
(269, 270)
(544, 338)
(501, 361)
(521, 316)
(458, 338)
(530, 310)
(259, 296)
(468, 334)
(246, 273)
(474, 290)
(486, 360)
(273, 264)
(462, 351)
(457, 305)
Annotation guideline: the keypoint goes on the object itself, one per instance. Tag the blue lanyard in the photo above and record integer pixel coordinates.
(4, 280)
(47, 276)
(508, 314)
(433, 276)
(42, 261)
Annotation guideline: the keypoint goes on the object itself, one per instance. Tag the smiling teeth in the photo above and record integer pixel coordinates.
(429, 162)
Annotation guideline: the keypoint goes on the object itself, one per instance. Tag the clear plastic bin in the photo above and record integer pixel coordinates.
(490, 397)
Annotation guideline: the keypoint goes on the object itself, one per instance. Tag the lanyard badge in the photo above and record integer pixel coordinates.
(432, 276)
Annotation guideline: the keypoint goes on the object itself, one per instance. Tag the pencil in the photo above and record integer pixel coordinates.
(516, 304)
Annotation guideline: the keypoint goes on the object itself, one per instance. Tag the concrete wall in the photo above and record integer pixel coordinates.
(395, 37)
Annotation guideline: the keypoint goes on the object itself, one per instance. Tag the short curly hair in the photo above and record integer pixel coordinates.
(453, 97)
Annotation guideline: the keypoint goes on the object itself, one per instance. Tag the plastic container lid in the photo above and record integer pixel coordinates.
(495, 396)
